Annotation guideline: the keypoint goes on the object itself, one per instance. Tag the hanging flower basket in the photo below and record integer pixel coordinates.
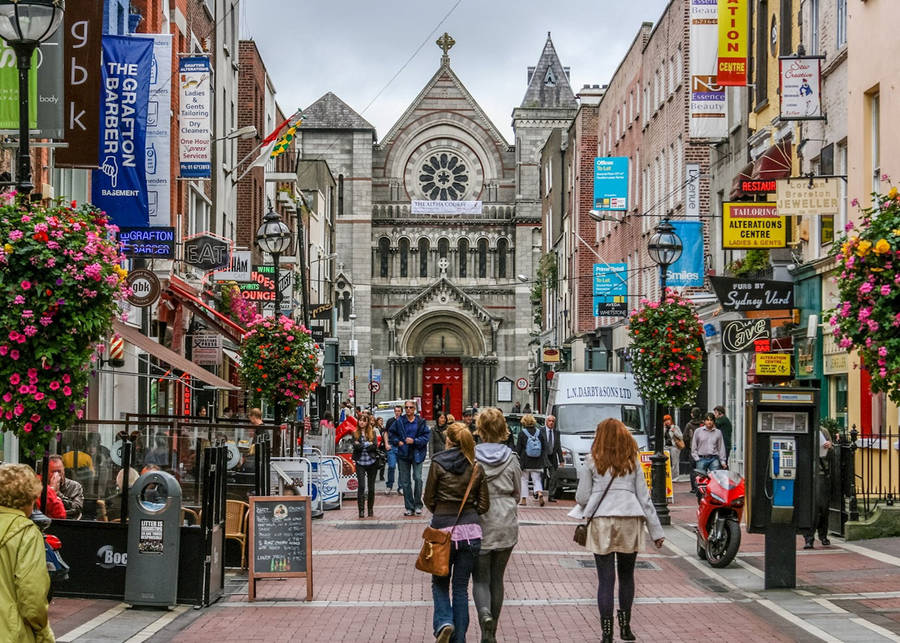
(279, 361)
(868, 316)
(60, 283)
(666, 350)
(239, 309)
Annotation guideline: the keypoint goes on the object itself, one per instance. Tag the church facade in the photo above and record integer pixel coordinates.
(435, 301)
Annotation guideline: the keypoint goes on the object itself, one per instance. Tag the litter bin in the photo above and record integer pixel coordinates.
(154, 536)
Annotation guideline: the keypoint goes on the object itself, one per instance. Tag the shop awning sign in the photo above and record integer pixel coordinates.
(753, 294)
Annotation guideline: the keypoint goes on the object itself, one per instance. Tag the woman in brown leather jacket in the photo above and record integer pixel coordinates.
(449, 476)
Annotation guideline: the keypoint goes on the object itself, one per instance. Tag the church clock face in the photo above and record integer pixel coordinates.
(444, 177)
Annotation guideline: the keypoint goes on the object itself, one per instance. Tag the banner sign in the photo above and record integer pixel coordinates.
(752, 225)
(195, 136)
(238, 270)
(206, 349)
(753, 294)
(207, 252)
(773, 364)
(286, 280)
(150, 243)
(610, 289)
(692, 190)
(734, 33)
(83, 26)
(708, 107)
(50, 70)
(119, 187)
(159, 132)
(446, 208)
(9, 90)
(740, 335)
(800, 88)
(611, 183)
(688, 270)
(808, 196)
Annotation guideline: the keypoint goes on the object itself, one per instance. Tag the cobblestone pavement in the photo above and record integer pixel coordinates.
(366, 589)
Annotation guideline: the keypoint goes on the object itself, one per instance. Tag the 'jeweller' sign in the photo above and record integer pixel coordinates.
(753, 294)
(741, 335)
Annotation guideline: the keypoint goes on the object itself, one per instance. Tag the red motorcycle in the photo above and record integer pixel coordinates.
(721, 505)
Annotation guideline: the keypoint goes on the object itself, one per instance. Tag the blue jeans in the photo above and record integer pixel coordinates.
(455, 587)
(412, 498)
(710, 463)
(391, 467)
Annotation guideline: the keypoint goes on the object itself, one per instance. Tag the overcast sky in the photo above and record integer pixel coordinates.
(354, 47)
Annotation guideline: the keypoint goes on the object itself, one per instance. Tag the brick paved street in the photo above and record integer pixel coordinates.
(366, 589)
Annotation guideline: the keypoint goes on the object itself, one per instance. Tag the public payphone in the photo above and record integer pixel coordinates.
(782, 446)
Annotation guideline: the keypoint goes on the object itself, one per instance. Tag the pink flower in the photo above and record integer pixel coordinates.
(854, 202)
(30, 330)
(7, 397)
(4, 350)
(14, 379)
(65, 378)
(18, 410)
(25, 284)
(865, 288)
(54, 385)
(67, 391)
(51, 404)
(18, 300)
(38, 396)
(27, 427)
(882, 351)
(886, 289)
(14, 354)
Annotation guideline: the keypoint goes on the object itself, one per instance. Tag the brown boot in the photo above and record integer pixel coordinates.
(541, 498)
(523, 502)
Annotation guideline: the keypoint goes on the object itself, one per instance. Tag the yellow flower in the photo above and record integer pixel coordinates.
(892, 193)
(883, 247)
(8, 248)
(864, 247)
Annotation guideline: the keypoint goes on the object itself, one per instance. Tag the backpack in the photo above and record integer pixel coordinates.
(532, 444)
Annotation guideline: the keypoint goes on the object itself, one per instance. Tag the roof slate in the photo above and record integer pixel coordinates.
(555, 93)
(330, 112)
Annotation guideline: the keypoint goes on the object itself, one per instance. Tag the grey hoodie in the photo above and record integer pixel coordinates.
(500, 525)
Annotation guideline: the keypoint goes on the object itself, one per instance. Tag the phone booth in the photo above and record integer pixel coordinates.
(782, 446)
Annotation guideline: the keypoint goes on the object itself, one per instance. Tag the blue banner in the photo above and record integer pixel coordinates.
(611, 183)
(610, 289)
(120, 185)
(688, 270)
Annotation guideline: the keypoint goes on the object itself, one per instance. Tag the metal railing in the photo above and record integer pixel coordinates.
(877, 475)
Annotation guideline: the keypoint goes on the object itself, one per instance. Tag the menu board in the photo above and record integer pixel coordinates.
(280, 543)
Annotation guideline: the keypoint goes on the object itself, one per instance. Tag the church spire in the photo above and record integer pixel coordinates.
(445, 42)
(548, 81)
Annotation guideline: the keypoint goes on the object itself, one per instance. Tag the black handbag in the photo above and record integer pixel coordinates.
(580, 536)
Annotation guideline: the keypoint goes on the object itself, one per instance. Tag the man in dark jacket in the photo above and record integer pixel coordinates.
(409, 435)
(554, 457)
(724, 425)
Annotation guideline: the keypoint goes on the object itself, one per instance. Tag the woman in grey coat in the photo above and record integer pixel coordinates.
(612, 493)
(500, 525)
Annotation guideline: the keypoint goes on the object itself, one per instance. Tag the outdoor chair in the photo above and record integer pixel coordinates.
(236, 525)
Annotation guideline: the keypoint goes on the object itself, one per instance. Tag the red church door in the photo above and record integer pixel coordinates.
(441, 387)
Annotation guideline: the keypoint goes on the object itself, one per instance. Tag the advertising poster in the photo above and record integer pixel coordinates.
(801, 88)
(707, 101)
(647, 468)
(611, 183)
(752, 225)
(195, 118)
(688, 270)
(120, 185)
(9, 90)
(610, 289)
(734, 34)
(159, 132)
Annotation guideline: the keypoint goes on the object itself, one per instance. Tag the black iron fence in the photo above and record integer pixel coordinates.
(877, 461)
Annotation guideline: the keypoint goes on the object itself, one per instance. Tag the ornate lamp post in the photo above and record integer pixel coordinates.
(664, 248)
(24, 25)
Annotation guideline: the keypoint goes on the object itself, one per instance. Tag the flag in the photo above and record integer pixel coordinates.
(276, 143)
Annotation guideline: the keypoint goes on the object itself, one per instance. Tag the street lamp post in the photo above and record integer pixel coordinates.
(24, 25)
(664, 248)
(274, 237)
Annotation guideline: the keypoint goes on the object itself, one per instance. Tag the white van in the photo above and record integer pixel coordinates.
(580, 401)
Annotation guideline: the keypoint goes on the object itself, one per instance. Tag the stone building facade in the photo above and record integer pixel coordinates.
(433, 301)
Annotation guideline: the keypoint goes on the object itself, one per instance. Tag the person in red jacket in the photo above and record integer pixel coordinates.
(55, 508)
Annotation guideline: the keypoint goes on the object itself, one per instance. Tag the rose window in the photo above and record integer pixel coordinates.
(444, 177)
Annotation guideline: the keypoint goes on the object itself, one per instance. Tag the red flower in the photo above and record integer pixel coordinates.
(40, 236)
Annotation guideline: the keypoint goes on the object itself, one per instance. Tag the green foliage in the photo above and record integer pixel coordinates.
(755, 260)
(546, 279)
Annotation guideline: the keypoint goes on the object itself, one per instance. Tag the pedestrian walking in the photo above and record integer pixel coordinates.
(532, 450)
(455, 508)
(24, 581)
(365, 456)
(554, 458)
(687, 462)
(724, 425)
(612, 494)
(673, 440)
(409, 435)
(500, 525)
(517, 407)
(390, 451)
(822, 495)
(439, 434)
(382, 444)
(707, 449)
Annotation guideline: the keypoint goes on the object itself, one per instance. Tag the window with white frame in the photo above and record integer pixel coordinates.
(679, 67)
(841, 27)
(813, 27)
(675, 188)
(646, 108)
(199, 208)
(875, 139)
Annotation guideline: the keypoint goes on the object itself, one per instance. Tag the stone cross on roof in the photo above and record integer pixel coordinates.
(445, 42)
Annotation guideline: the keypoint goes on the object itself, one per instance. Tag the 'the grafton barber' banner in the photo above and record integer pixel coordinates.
(195, 148)
(120, 185)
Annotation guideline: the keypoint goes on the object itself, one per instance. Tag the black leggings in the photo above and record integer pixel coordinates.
(487, 582)
(606, 574)
(365, 476)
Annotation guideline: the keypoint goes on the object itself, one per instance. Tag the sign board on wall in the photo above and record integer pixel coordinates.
(611, 183)
(808, 196)
(734, 34)
(445, 208)
(692, 190)
(207, 252)
(151, 243)
(740, 335)
(238, 269)
(610, 290)
(773, 364)
(752, 225)
(753, 294)
(708, 107)
(800, 89)
(206, 349)
(195, 147)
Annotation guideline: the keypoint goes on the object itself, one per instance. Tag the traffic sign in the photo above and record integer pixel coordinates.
(521, 383)
(374, 387)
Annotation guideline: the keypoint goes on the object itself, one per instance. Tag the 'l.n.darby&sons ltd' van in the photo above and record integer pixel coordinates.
(580, 401)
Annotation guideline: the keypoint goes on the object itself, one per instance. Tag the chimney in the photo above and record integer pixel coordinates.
(591, 94)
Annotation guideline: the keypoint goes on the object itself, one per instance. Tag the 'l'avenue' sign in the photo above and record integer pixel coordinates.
(753, 294)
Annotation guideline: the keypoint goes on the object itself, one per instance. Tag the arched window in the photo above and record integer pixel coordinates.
(443, 248)
(463, 257)
(404, 257)
(384, 253)
(424, 247)
(482, 258)
(502, 249)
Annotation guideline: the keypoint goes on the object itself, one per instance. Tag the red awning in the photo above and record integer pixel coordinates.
(775, 162)
(737, 189)
(217, 320)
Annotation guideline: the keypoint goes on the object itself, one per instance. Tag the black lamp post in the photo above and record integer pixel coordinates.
(664, 248)
(24, 25)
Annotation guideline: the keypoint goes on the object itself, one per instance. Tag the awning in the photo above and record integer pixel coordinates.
(234, 357)
(775, 162)
(170, 357)
(737, 185)
(217, 320)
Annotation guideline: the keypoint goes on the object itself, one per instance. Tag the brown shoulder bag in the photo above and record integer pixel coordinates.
(580, 536)
(435, 555)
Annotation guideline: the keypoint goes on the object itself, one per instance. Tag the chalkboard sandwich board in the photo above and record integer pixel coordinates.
(280, 540)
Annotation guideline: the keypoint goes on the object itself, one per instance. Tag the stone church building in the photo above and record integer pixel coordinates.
(434, 300)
